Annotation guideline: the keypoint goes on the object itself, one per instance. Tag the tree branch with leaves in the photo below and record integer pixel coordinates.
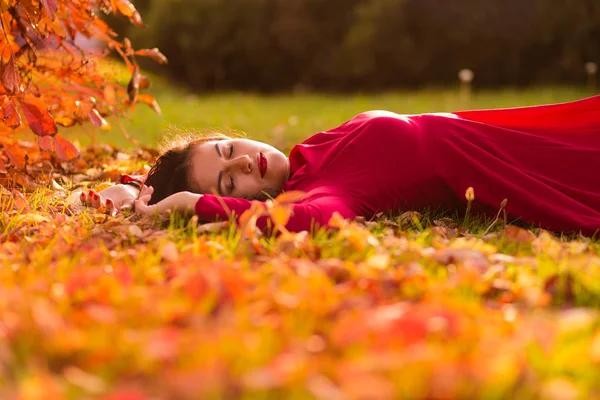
(49, 79)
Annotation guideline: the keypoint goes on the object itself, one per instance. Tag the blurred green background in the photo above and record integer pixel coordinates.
(282, 70)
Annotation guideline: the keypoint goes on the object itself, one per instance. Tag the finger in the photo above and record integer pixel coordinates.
(110, 207)
(146, 190)
(91, 198)
(88, 197)
(142, 208)
(97, 200)
(83, 198)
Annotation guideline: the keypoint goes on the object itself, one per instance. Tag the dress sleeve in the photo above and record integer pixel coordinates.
(312, 212)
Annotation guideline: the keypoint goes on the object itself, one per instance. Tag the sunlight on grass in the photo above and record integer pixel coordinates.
(286, 120)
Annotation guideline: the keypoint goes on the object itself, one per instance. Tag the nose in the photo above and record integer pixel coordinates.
(241, 163)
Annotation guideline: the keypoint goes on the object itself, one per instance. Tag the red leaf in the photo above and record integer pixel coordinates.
(154, 54)
(97, 119)
(45, 143)
(10, 76)
(38, 118)
(10, 115)
(65, 149)
(2, 167)
(51, 7)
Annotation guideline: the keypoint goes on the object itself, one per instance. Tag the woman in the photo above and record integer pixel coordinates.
(545, 160)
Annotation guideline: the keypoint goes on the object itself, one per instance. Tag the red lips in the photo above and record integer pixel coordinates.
(262, 164)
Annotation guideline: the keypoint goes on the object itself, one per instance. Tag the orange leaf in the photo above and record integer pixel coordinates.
(151, 101)
(58, 29)
(64, 120)
(110, 95)
(51, 6)
(136, 19)
(2, 167)
(16, 155)
(280, 215)
(10, 76)
(38, 118)
(290, 197)
(97, 120)
(154, 54)
(10, 115)
(45, 143)
(125, 7)
(65, 149)
(20, 200)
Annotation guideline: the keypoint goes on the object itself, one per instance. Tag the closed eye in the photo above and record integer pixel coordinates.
(230, 151)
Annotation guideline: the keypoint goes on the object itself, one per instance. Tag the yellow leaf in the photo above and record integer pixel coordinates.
(101, 186)
(30, 219)
(290, 197)
(280, 215)
(99, 218)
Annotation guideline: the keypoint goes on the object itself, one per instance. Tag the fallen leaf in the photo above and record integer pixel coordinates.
(136, 231)
(30, 219)
(169, 252)
(291, 196)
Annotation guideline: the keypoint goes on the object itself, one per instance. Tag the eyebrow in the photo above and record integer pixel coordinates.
(220, 172)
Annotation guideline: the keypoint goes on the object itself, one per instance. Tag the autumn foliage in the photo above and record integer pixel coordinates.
(50, 77)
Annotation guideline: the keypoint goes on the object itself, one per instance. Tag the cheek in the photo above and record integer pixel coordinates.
(247, 186)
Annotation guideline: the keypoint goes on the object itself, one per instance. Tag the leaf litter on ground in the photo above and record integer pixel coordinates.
(416, 305)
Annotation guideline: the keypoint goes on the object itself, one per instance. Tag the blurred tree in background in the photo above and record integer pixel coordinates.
(347, 45)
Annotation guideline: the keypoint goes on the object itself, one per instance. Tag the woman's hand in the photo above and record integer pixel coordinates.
(184, 202)
(114, 198)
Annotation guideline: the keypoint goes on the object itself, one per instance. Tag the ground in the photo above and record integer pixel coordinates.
(417, 305)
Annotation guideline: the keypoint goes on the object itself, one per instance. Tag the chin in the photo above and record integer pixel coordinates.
(279, 165)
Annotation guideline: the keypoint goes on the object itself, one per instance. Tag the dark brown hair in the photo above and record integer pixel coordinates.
(171, 171)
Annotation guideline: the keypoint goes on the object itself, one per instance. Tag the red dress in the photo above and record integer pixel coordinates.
(545, 160)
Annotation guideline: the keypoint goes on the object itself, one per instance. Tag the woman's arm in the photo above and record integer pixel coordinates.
(313, 212)
(183, 202)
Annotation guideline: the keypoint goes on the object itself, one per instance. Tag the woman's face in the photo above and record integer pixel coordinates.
(238, 168)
